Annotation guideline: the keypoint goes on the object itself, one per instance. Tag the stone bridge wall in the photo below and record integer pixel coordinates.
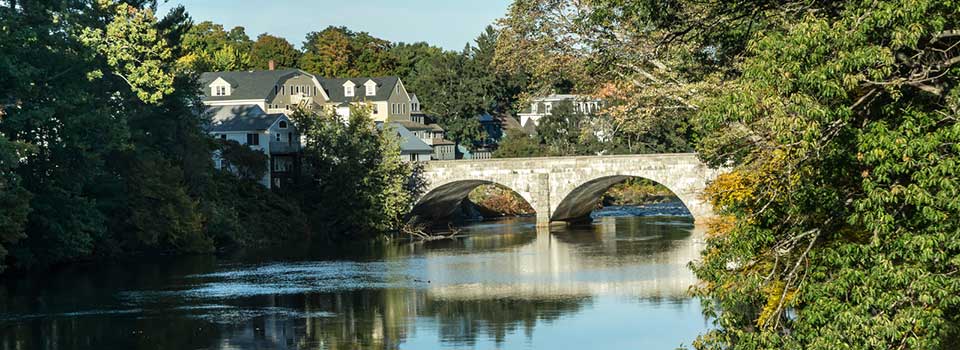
(563, 188)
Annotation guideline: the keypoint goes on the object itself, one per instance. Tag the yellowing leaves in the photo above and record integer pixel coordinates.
(777, 300)
(135, 50)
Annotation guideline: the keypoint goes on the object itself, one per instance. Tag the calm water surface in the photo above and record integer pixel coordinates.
(618, 283)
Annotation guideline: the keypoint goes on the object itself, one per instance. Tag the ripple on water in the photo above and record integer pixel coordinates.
(288, 278)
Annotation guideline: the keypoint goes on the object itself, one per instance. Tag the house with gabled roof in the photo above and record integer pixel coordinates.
(540, 107)
(274, 91)
(243, 101)
(387, 96)
(271, 133)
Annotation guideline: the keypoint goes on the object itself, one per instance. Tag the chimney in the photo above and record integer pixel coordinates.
(272, 65)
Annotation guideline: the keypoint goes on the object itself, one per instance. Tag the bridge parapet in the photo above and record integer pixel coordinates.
(564, 188)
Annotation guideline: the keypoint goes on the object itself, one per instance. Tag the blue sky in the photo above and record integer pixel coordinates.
(446, 23)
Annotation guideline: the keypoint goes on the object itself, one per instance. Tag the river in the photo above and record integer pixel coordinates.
(618, 283)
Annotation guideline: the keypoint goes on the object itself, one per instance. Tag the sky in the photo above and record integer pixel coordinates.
(450, 24)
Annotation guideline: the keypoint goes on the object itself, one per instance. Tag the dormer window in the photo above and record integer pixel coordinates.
(348, 89)
(282, 124)
(371, 87)
(220, 87)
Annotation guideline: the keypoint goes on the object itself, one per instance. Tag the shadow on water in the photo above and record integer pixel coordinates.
(505, 285)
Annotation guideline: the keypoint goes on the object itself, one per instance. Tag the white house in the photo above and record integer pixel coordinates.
(543, 106)
(273, 134)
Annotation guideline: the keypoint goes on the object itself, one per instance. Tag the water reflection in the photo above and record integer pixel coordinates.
(505, 285)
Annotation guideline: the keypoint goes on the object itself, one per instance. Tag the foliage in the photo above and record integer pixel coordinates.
(245, 162)
(615, 51)
(240, 212)
(500, 200)
(355, 169)
(564, 131)
(279, 50)
(460, 86)
(134, 49)
(518, 144)
(840, 230)
(636, 191)
(407, 56)
(208, 47)
(102, 151)
(162, 215)
(340, 52)
(456, 95)
(13, 198)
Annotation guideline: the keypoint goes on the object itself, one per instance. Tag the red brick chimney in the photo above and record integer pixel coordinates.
(272, 65)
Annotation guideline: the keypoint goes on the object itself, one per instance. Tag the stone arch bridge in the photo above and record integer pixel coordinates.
(562, 188)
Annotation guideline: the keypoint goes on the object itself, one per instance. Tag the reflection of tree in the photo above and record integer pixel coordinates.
(526, 278)
(463, 321)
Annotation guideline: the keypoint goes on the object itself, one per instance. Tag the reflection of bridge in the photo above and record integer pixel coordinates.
(645, 265)
(563, 188)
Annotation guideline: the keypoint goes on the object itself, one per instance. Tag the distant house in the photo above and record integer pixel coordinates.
(412, 148)
(386, 96)
(274, 91)
(478, 153)
(543, 106)
(253, 97)
(271, 133)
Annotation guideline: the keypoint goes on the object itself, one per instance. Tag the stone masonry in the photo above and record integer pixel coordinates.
(563, 188)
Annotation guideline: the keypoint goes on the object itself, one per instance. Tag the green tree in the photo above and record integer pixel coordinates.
(840, 214)
(455, 95)
(13, 198)
(340, 52)
(355, 169)
(563, 130)
(247, 163)
(327, 53)
(407, 56)
(370, 56)
(207, 46)
(229, 58)
(269, 47)
(518, 144)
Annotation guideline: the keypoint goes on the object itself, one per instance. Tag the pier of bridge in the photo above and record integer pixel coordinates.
(562, 188)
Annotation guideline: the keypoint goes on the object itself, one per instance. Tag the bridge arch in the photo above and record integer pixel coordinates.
(580, 201)
(443, 199)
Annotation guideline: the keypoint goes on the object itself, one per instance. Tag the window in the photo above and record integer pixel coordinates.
(314, 91)
(371, 90)
(348, 91)
(549, 107)
(278, 139)
(253, 139)
(220, 90)
(375, 109)
(223, 136)
(533, 108)
(282, 124)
